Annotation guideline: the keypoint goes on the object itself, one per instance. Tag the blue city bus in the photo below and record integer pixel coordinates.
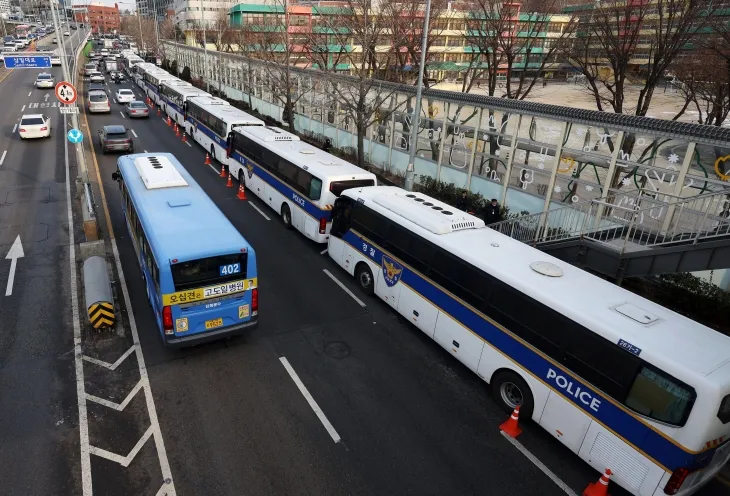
(199, 272)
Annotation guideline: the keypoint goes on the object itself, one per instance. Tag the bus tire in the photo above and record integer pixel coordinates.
(241, 179)
(510, 390)
(364, 278)
(286, 216)
(212, 153)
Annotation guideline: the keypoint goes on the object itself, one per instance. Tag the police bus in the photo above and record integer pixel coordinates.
(199, 272)
(300, 182)
(153, 80)
(129, 61)
(210, 120)
(624, 383)
(140, 70)
(173, 96)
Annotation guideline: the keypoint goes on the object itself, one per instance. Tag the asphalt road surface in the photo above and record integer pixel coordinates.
(38, 412)
(410, 418)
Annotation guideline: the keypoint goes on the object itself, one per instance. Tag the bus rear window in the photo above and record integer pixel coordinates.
(209, 271)
(660, 397)
(337, 187)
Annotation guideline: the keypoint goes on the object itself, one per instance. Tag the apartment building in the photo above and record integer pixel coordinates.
(102, 18)
(191, 14)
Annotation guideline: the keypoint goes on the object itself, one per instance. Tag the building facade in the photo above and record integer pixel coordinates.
(191, 14)
(101, 18)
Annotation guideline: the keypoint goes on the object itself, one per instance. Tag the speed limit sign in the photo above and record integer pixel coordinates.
(66, 93)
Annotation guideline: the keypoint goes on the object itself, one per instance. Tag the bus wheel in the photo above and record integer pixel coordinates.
(510, 390)
(240, 177)
(364, 278)
(286, 216)
(212, 153)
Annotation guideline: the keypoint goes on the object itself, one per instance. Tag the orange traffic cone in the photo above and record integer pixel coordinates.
(511, 427)
(177, 131)
(158, 110)
(599, 488)
(229, 184)
(223, 170)
(207, 159)
(169, 121)
(241, 192)
(185, 137)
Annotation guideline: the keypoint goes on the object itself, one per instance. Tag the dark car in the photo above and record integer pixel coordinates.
(96, 87)
(137, 109)
(115, 138)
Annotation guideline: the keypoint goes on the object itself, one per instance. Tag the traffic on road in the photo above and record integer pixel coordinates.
(286, 325)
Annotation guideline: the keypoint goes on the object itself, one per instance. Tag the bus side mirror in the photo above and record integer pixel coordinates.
(115, 176)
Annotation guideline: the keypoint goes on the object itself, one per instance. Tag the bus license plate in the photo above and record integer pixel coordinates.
(212, 324)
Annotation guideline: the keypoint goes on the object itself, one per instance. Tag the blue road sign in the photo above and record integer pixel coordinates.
(75, 136)
(27, 61)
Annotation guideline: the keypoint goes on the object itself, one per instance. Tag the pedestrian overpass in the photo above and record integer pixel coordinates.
(653, 235)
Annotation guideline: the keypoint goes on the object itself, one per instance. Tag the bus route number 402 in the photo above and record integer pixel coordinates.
(227, 270)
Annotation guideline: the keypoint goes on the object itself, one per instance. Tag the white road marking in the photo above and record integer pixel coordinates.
(152, 411)
(117, 406)
(115, 100)
(317, 410)
(23, 109)
(122, 114)
(2, 159)
(344, 288)
(15, 252)
(15, 127)
(558, 482)
(79, 366)
(110, 366)
(145, 151)
(323, 252)
(188, 143)
(214, 169)
(30, 93)
(135, 134)
(124, 461)
(259, 211)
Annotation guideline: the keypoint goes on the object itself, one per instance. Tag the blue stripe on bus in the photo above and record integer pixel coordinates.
(641, 436)
(284, 189)
(208, 132)
(150, 86)
(170, 104)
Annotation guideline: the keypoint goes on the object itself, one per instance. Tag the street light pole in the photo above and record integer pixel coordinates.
(205, 48)
(410, 170)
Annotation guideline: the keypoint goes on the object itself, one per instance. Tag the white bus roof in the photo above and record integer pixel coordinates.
(668, 340)
(186, 90)
(206, 101)
(224, 110)
(302, 154)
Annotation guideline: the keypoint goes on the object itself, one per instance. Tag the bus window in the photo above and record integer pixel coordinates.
(207, 271)
(341, 217)
(660, 397)
(315, 189)
(337, 187)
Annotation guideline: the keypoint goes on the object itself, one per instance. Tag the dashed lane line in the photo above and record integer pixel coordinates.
(253, 205)
(135, 134)
(122, 114)
(23, 109)
(2, 159)
(344, 288)
(15, 127)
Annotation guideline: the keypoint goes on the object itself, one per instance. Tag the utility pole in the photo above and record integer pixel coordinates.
(83, 171)
(410, 170)
(205, 48)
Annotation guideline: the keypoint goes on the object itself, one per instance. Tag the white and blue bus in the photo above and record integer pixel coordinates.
(173, 97)
(624, 383)
(140, 70)
(199, 272)
(298, 181)
(210, 120)
(153, 80)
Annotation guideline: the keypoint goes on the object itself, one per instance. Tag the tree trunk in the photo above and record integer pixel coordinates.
(359, 124)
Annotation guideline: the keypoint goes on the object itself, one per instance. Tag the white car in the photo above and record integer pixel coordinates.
(19, 43)
(124, 96)
(55, 60)
(96, 77)
(34, 126)
(66, 33)
(55, 41)
(45, 80)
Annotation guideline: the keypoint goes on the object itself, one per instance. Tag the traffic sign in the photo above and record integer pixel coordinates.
(26, 61)
(66, 93)
(75, 136)
(69, 110)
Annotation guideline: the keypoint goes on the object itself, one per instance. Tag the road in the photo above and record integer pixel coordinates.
(410, 418)
(38, 413)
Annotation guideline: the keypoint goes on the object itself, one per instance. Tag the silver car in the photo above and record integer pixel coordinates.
(45, 80)
(98, 102)
(89, 68)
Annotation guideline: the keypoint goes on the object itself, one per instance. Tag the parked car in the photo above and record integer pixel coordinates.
(98, 101)
(115, 138)
(137, 109)
(45, 80)
(96, 77)
(34, 126)
(124, 96)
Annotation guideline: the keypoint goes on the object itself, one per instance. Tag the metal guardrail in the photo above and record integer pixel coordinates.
(649, 222)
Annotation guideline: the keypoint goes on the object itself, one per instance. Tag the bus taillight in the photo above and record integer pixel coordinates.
(255, 301)
(322, 225)
(676, 481)
(167, 320)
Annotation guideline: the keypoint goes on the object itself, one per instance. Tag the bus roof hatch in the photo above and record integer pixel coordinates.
(158, 172)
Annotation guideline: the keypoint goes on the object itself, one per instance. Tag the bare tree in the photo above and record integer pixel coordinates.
(221, 32)
(364, 97)
(703, 78)
(246, 39)
(512, 49)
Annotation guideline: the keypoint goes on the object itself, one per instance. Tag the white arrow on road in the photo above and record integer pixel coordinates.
(46, 97)
(16, 252)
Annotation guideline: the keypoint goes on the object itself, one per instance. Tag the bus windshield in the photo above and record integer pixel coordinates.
(208, 271)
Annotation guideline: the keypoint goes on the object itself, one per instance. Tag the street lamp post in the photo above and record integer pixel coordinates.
(205, 48)
(410, 170)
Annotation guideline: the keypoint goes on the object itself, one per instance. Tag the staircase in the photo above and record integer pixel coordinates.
(642, 237)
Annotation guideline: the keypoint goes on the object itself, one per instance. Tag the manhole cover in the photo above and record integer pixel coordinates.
(337, 349)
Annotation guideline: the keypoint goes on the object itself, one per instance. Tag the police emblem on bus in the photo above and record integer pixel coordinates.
(249, 167)
(392, 271)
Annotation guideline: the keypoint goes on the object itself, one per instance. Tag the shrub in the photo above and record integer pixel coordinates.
(451, 194)
(185, 75)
